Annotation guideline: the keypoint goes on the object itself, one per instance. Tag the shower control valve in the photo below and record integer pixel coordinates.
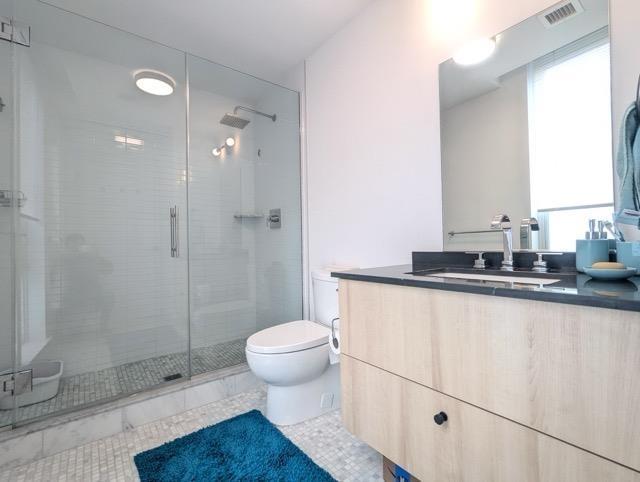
(274, 219)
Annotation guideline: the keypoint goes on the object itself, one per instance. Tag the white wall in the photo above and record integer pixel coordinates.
(372, 120)
(373, 194)
(485, 146)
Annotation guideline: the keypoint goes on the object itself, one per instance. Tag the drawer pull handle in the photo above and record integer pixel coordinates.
(440, 418)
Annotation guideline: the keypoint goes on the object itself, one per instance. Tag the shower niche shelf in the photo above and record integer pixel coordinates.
(248, 216)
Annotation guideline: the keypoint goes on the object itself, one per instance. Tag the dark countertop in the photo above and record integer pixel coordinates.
(573, 288)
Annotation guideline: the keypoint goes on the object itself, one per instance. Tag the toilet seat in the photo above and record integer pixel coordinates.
(288, 337)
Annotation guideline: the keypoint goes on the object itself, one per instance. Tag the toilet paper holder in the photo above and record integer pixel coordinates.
(334, 340)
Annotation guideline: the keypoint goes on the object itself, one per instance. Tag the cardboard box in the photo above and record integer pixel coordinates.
(391, 472)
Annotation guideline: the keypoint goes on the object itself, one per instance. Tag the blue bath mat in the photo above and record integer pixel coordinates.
(247, 447)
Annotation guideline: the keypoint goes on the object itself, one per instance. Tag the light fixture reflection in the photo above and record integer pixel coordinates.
(132, 141)
(474, 52)
(228, 142)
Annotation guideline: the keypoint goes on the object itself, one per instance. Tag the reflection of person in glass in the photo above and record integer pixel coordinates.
(83, 290)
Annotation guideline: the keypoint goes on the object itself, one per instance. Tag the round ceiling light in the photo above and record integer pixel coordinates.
(230, 141)
(154, 82)
(216, 151)
(475, 51)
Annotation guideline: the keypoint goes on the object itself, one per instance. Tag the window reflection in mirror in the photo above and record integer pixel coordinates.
(527, 132)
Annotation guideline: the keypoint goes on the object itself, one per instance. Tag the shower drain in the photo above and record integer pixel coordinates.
(175, 376)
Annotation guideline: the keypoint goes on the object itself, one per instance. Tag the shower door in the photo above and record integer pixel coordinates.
(109, 283)
(244, 211)
(101, 236)
(7, 217)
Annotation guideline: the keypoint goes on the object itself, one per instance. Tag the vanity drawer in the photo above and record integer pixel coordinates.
(396, 417)
(572, 372)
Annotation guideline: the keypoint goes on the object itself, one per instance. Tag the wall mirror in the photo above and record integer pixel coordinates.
(525, 121)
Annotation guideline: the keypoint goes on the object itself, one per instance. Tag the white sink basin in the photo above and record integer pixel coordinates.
(495, 277)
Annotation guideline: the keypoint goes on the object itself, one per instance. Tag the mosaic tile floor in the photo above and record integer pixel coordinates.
(324, 439)
(91, 387)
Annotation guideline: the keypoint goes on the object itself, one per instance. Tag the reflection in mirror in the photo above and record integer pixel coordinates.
(527, 132)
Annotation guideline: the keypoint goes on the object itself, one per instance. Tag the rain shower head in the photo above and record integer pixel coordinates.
(233, 120)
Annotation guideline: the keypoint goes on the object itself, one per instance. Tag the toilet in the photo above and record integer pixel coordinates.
(293, 359)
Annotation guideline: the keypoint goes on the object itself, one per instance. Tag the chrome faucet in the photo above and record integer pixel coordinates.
(503, 223)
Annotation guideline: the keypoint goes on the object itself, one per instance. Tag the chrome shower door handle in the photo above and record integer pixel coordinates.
(176, 228)
(173, 223)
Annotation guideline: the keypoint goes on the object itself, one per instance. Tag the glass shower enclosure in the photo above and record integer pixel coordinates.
(144, 237)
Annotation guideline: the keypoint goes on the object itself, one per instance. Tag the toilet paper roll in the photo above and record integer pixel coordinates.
(334, 344)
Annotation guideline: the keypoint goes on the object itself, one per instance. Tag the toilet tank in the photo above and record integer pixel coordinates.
(325, 297)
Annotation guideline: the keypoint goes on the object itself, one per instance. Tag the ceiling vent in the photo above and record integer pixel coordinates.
(561, 12)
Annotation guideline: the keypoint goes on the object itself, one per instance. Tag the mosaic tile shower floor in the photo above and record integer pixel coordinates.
(324, 439)
(91, 387)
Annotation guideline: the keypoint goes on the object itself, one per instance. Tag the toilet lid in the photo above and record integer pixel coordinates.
(289, 337)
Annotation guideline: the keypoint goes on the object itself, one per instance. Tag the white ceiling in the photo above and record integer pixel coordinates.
(265, 38)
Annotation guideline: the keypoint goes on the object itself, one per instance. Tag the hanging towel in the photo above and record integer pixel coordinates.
(628, 165)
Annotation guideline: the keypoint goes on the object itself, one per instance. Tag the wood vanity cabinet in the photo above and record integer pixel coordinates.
(532, 390)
